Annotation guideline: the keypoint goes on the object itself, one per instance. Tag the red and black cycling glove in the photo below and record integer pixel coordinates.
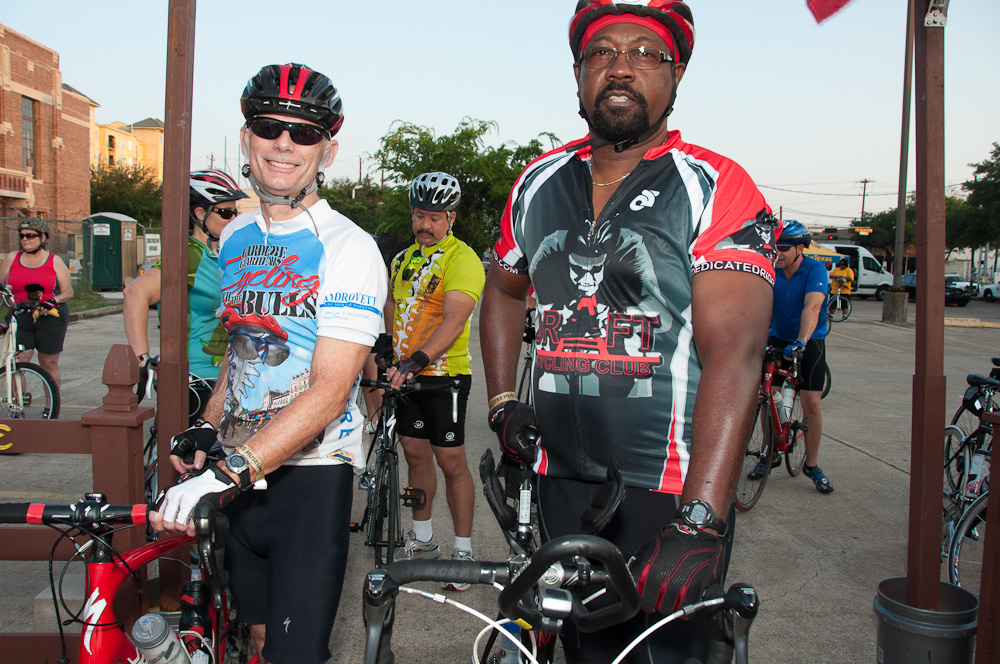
(674, 568)
(509, 422)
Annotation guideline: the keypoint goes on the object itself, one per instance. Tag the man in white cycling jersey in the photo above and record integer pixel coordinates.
(302, 295)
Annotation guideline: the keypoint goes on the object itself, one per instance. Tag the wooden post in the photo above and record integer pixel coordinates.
(173, 368)
(988, 629)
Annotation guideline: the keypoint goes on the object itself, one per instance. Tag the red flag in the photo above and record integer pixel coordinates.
(824, 9)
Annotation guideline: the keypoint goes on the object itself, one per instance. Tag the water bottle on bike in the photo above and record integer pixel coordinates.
(157, 641)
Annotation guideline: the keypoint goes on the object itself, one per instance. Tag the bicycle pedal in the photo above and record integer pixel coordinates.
(414, 498)
(355, 527)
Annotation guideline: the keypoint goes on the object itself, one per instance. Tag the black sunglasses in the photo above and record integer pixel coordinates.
(302, 134)
(785, 247)
(29, 236)
(226, 213)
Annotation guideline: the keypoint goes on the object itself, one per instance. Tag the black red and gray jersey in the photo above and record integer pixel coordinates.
(616, 368)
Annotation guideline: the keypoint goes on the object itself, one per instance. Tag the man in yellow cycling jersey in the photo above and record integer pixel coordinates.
(433, 288)
(842, 270)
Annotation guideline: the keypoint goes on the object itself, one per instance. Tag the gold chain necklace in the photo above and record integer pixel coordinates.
(608, 184)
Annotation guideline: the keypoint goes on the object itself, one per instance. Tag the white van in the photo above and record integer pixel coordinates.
(869, 276)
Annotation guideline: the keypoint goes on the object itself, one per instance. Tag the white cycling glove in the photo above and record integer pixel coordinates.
(214, 485)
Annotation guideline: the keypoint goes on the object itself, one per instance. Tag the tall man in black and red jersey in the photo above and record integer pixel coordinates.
(652, 264)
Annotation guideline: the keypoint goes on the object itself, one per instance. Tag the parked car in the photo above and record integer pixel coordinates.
(952, 294)
(991, 291)
(958, 280)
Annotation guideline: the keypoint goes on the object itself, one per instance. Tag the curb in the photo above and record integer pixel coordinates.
(970, 322)
(95, 313)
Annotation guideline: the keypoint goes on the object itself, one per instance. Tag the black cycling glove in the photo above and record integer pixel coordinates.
(509, 423)
(199, 438)
(413, 364)
(674, 568)
(383, 350)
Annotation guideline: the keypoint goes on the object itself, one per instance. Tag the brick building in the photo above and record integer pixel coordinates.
(44, 134)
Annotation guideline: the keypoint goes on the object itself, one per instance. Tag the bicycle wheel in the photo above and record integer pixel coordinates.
(384, 533)
(827, 381)
(38, 398)
(759, 449)
(954, 456)
(795, 451)
(967, 420)
(965, 555)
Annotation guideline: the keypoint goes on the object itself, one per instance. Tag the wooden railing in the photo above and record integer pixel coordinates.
(113, 436)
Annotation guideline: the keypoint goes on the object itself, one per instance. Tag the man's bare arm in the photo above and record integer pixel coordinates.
(501, 327)
(810, 314)
(731, 312)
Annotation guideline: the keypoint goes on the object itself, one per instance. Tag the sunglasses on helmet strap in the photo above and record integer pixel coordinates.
(302, 134)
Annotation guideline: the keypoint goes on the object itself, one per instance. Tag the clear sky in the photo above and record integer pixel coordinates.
(805, 107)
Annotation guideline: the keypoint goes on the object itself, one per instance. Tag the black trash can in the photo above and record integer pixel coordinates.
(908, 635)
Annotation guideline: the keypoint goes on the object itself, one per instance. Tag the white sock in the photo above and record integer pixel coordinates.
(463, 544)
(423, 530)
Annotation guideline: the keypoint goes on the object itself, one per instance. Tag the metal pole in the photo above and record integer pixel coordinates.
(904, 151)
(927, 421)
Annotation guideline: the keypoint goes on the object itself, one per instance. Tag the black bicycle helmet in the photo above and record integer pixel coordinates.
(794, 232)
(673, 14)
(295, 90)
(439, 192)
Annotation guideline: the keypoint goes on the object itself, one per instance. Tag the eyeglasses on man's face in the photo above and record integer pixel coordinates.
(641, 57)
(785, 247)
(30, 236)
(301, 134)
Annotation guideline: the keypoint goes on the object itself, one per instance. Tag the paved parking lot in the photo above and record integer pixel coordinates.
(816, 559)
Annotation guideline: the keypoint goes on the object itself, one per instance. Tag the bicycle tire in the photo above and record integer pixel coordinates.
(965, 553)
(827, 381)
(43, 400)
(760, 447)
(795, 450)
(967, 420)
(954, 456)
(384, 533)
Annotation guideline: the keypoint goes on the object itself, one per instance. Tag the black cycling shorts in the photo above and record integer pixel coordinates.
(812, 369)
(561, 502)
(47, 334)
(287, 555)
(428, 415)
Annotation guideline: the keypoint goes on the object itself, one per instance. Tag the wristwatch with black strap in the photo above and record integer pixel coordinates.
(699, 515)
(239, 465)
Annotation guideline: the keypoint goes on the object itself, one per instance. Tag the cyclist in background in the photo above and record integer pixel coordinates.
(303, 290)
(30, 270)
(651, 260)
(798, 321)
(842, 270)
(435, 283)
(213, 206)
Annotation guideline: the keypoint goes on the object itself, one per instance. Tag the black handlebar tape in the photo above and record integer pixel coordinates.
(457, 571)
(563, 548)
(14, 512)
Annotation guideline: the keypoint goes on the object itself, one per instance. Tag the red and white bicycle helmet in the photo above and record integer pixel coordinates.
(209, 187)
(295, 90)
(673, 15)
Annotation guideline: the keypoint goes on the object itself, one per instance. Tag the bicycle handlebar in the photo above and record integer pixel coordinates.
(88, 511)
(413, 386)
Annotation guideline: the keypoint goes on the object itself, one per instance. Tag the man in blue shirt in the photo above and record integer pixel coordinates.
(798, 320)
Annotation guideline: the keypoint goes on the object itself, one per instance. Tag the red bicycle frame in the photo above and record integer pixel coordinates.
(103, 639)
(772, 368)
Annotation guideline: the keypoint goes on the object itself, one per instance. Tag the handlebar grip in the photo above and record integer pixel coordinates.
(14, 512)
(458, 571)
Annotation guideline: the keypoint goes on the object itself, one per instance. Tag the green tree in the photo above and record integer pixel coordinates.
(882, 239)
(361, 202)
(984, 198)
(964, 225)
(131, 190)
(485, 173)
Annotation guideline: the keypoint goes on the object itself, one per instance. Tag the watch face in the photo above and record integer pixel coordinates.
(698, 513)
(236, 462)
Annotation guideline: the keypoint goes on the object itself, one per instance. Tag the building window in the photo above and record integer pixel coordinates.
(28, 133)
(111, 142)
(111, 160)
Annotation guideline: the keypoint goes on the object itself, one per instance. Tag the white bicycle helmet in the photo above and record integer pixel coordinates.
(438, 192)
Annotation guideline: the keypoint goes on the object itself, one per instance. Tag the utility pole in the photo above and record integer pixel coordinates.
(211, 164)
(864, 191)
(359, 169)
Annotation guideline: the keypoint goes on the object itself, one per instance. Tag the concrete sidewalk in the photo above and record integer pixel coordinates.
(815, 559)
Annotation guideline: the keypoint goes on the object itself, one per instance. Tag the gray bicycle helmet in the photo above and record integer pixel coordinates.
(438, 192)
(794, 232)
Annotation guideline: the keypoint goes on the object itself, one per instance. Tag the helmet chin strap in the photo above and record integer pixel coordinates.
(203, 226)
(271, 199)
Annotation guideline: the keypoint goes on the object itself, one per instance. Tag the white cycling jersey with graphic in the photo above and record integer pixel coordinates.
(280, 291)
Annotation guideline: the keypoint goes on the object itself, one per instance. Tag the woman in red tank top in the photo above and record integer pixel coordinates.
(34, 273)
